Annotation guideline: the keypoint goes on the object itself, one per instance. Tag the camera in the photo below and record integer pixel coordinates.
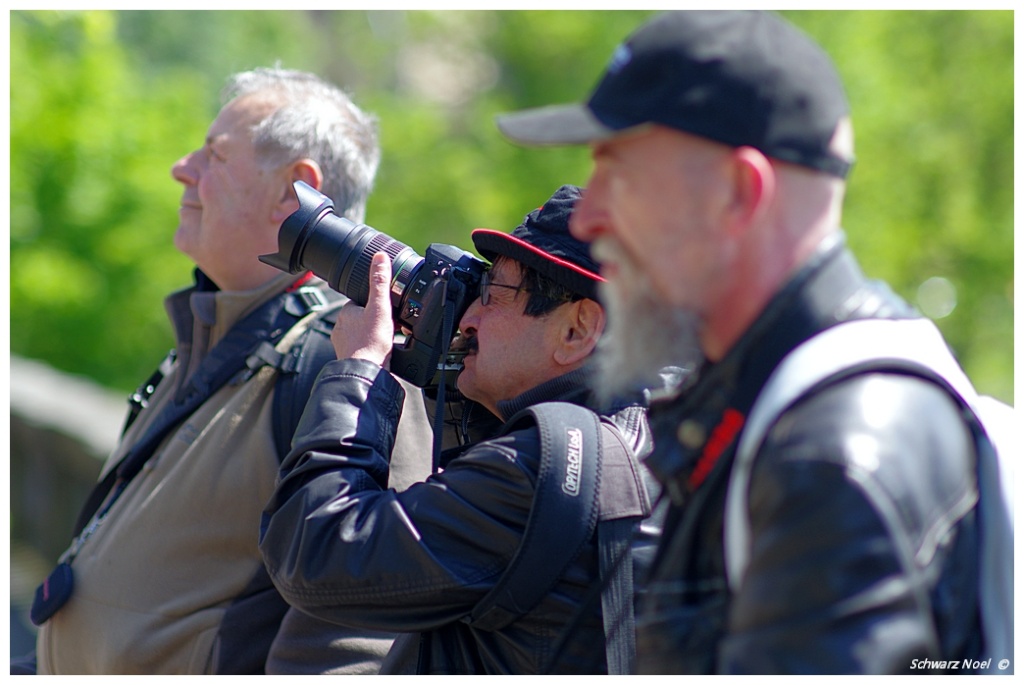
(429, 294)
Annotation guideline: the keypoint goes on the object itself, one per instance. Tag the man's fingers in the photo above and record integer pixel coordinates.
(368, 332)
(380, 283)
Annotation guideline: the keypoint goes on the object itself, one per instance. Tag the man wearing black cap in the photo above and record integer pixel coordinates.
(721, 141)
(486, 573)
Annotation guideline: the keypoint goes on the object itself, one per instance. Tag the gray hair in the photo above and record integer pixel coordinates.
(314, 119)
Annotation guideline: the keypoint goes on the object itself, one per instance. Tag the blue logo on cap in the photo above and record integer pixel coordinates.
(620, 58)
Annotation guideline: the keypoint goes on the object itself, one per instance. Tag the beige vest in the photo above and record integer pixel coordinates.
(153, 582)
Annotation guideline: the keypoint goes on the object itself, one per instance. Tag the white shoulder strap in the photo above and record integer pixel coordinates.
(846, 347)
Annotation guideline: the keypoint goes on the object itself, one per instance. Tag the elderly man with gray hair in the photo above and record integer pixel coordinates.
(164, 574)
(823, 459)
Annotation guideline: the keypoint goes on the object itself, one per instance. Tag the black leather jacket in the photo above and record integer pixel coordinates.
(340, 546)
(843, 478)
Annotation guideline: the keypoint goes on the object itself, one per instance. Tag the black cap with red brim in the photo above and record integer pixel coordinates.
(543, 243)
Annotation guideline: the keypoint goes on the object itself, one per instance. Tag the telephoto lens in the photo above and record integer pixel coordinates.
(337, 250)
(429, 294)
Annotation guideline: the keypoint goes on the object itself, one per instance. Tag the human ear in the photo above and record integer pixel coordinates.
(753, 185)
(583, 325)
(306, 170)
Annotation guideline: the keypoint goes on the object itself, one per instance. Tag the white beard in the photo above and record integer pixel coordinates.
(646, 343)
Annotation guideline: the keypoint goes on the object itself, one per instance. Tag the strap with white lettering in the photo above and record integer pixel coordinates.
(563, 515)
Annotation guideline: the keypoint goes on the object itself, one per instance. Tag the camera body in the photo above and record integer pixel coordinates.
(428, 293)
(445, 283)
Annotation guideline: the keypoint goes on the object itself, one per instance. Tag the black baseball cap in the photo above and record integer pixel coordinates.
(735, 77)
(543, 243)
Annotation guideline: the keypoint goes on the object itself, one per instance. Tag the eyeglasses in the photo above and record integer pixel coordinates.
(486, 284)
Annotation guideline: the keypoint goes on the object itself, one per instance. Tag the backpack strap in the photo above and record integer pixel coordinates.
(238, 355)
(245, 348)
(624, 504)
(566, 492)
(573, 455)
(912, 346)
(615, 539)
(303, 354)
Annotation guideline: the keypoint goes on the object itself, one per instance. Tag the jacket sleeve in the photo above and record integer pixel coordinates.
(857, 502)
(342, 547)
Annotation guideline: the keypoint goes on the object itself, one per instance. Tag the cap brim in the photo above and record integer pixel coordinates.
(554, 125)
(492, 244)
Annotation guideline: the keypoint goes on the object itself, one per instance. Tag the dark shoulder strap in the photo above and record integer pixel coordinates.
(298, 372)
(615, 547)
(573, 452)
(236, 356)
(615, 539)
(616, 534)
(566, 492)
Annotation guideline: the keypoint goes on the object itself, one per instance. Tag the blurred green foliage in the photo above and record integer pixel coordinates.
(103, 102)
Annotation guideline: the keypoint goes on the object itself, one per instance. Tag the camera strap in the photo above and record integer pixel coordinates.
(447, 333)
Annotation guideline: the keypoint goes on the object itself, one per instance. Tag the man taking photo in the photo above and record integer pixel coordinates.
(341, 546)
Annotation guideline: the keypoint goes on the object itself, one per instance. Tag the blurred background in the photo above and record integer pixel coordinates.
(103, 102)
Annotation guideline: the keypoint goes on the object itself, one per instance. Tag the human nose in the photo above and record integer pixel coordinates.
(586, 223)
(471, 319)
(186, 169)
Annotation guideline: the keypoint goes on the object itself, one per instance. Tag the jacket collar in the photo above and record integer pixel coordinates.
(571, 387)
(204, 303)
(202, 314)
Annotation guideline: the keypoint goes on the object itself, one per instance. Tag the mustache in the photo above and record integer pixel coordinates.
(465, 345)
(605, 251)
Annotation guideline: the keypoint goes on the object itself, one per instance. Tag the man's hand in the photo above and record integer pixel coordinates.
(368, 332)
